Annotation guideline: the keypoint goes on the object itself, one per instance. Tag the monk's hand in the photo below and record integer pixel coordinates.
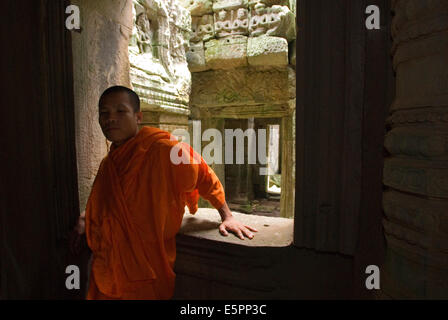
(230, 224)
(77, 236)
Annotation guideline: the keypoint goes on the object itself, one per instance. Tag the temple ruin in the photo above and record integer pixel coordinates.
(357, 171)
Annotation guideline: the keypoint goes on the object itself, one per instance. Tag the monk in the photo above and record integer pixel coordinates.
(137, 202)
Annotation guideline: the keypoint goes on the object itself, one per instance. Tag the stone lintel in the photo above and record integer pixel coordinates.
(242, 86)
(244, 111)
(158, 106)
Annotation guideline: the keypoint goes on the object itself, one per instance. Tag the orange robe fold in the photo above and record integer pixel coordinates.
(134, 212)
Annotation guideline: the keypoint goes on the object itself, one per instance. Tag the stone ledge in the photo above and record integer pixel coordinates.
(272, 232)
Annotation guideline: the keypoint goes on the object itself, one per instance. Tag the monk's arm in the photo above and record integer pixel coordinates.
(198, 175)
(210, 188)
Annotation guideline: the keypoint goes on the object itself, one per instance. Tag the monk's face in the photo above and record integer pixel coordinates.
(117, 118)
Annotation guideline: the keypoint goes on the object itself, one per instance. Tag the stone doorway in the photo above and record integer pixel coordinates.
(252, 192)
(247, 189)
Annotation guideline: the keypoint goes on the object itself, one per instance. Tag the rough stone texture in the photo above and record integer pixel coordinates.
(165, 121)
(158, 58)
(289, 3)
(196, 57)
(197, 7)
(219, 5)
(241, 18)
(243, 87)
(207, 123)
(288, 182)
(157, 54)
(202, 28)
(419, 143)
(210, 266)
(416, 173)
(267, 51)
(231, 22)
(272, 232)
(245, 111)
(272, 21)
(226, 53)
(100, 60)
(424, 83)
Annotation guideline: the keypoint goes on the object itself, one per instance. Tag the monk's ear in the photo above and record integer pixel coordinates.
(139, 117)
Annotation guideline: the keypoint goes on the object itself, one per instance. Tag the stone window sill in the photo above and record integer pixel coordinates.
(272, 231)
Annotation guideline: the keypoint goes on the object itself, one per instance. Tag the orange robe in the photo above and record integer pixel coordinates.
(134, 212)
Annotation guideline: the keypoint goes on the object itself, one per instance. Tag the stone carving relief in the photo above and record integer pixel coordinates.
(238, 87)
(144, 33)
(240, 22)
(272, 21)
(157, 54)
(231, 22)
(197, 7)
(196, 57)
(235, 19)
(202, 28)
(222, 23)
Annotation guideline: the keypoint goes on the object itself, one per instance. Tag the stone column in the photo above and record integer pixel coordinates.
(100, 60)
(288, 166)
(416, 171)
(218, 168)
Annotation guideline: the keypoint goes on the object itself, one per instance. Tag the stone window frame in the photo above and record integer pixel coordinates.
(272, 231)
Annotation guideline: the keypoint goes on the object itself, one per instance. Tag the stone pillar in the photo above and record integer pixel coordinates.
(288, 182)
(238, 176)
(215, 123)
(218, 168)
(100, 60)
(415, 201)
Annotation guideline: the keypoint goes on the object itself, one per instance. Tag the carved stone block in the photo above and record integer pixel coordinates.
(196, 57)
(420, 143)
(267, 51)
(240, 21)
(203, 28)
(426, 178)
(181, 18)
(252, 3)
(219, 5)
(197, 7)
(157, 54)
(226, 53)
(231, 22)
(222, 24)
(272, 21)
(241, 87)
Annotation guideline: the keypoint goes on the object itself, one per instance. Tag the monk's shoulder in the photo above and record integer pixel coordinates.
(163, 145)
